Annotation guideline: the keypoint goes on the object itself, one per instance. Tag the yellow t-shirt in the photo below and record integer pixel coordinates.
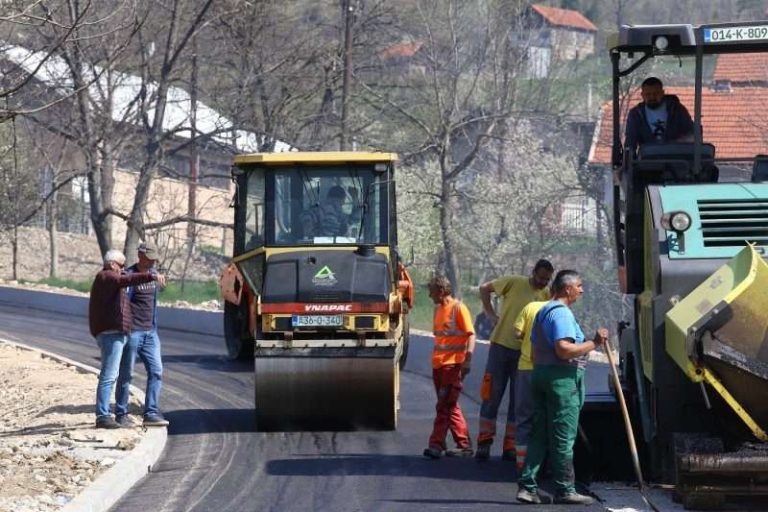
(524, 324)
(515, 293)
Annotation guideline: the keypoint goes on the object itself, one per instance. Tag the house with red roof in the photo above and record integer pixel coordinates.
(569, 34)
(741, 69)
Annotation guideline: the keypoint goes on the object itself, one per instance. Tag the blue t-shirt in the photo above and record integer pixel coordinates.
(657, 121)
(556, 322)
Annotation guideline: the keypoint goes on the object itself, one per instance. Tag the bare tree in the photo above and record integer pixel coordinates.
(88, 42)
(458, 87)
(18, 21)
(159, 74)
(33, 169)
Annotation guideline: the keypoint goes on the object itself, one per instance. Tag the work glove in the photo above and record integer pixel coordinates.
(466, 366)
(601, 336)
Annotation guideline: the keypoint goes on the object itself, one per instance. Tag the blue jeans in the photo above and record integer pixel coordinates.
(147, 345)
(111, 346)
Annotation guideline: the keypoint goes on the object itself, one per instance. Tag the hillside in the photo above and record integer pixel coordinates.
(79, 258)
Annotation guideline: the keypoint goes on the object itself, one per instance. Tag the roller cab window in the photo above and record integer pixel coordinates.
(326, 206)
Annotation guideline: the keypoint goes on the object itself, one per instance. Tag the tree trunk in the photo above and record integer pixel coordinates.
(52, 240)
(98, 220)
(446, 235)
(15, 251)
(135, 232)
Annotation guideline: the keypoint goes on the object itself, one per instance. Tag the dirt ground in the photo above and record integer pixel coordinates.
(49, 448)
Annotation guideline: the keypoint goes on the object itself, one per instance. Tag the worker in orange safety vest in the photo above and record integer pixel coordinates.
(451, 361)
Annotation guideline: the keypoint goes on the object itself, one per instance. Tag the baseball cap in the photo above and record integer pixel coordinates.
(148, 249)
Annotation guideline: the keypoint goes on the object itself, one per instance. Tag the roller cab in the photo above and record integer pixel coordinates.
(316, 292)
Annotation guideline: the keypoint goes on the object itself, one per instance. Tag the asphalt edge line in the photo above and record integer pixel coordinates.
(421, 332)
(113, 484)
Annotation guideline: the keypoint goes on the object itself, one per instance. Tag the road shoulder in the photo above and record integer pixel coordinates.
(47, 432)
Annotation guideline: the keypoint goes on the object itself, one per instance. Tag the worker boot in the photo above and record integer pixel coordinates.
(460, 452)
(509, 456)
(125, 421)
(107, 422)
(483, 451)
(433, 452)
(573, 498)
(528, 497)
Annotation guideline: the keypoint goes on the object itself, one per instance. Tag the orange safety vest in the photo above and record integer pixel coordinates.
(450, 341)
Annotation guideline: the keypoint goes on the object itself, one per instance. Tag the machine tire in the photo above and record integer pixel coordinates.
(406, 341)
(239, 347)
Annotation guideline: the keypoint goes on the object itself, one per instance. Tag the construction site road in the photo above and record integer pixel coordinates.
(215, 461)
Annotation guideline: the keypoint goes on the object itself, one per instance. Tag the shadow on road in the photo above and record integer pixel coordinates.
(210, 362)
(454, 503)
(388, 465)
(67, 409)
(207, 421)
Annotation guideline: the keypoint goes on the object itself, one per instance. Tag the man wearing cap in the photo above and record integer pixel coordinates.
(144, 341)
(109, 319)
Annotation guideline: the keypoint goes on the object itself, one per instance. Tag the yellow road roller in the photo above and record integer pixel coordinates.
(316, 292)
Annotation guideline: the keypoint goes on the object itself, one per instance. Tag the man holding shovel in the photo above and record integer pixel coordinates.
(560, 356)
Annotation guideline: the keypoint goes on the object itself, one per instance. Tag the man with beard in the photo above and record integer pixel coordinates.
(660, 118)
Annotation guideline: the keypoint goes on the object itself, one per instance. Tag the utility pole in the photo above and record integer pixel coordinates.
(348, 19)
(194, 156)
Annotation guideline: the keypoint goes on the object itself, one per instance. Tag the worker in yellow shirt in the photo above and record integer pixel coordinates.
(504, 353)
(523, 393)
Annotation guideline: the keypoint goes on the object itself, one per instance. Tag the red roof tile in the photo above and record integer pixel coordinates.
(735, 122)
(564, 17)
(742, 67)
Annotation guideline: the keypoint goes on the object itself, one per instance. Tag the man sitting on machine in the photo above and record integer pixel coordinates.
(659, 118)
(327, 218)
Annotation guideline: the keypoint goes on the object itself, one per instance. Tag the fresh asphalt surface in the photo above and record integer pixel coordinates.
(215, 461)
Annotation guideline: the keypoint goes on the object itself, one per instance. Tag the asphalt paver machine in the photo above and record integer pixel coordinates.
(691, 250)
(316, 292)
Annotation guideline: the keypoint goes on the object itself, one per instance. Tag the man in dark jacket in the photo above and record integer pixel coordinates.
(109, 318)
(659, 118)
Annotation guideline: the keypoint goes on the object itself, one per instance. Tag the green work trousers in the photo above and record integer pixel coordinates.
(558, 395)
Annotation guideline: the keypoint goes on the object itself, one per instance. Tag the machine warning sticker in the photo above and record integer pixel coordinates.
(324, 277)
(735, 34)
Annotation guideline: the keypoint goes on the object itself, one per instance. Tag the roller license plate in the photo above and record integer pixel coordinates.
(317, 320)
(757, 33)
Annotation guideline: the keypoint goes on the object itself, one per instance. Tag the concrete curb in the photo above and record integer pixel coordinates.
(114, 483)
(176, 319)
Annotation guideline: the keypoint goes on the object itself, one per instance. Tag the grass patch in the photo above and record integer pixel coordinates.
(72, 284)
(193, 292)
